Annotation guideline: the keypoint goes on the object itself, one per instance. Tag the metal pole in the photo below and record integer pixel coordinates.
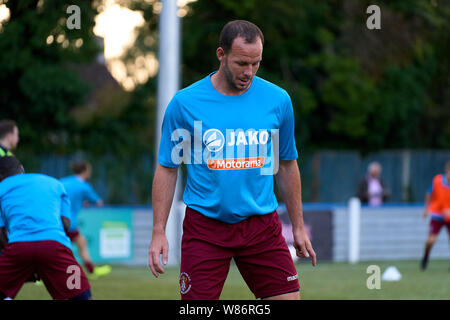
(168, 85)
(354, 208)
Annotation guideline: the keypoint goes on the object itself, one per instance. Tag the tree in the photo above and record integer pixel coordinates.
(38, 88)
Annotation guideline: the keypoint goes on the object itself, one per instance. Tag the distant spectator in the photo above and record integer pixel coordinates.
(371, 189)
(9, 137)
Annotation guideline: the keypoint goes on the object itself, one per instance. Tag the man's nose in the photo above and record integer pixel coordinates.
(248, 71)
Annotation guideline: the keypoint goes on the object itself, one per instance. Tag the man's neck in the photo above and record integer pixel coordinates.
(5, 145)
(81, 177)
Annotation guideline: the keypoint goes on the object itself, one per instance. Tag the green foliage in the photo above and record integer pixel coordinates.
(38, 89)
(351, 88)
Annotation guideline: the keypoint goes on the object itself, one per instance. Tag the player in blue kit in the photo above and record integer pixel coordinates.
(234, 131)
(34, 211)
(80, 193)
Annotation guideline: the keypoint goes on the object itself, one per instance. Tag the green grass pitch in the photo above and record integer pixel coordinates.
(325, 281)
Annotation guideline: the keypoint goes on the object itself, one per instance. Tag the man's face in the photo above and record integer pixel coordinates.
(88, 173)
(14, 138)
(375, 172)
(241, 63)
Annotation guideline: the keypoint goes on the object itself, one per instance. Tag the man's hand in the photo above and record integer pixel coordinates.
(303, 246)
(425, 213)
(446, 215)
(158, 246)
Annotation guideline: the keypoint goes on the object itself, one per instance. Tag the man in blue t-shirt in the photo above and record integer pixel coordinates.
(80, 193)
(34, 212)
(234, 131)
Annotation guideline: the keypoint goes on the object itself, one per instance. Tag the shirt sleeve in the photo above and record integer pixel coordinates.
(170, 151)
(90, 194)
(288, 149)
(65, 204)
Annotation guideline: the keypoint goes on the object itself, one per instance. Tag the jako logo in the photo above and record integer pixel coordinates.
(213, 140)
(231, 149)
(254, 137)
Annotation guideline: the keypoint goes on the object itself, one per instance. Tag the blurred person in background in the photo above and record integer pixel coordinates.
(371, 189)
(81, 194)
(437, 206)
(34, 214)
(9, 137)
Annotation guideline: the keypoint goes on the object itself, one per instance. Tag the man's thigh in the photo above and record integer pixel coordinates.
(16, 267)
(266, 263)
(57, 267)
(204, 269)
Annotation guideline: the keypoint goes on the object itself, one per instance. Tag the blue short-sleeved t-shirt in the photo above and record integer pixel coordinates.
(231, 146)
(31, 207)
(78, 191)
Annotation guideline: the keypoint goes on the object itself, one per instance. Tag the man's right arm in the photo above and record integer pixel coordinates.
(162, 196)
(427, 200)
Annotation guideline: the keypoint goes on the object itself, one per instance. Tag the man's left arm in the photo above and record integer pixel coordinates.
(289, 185)
(92, 197)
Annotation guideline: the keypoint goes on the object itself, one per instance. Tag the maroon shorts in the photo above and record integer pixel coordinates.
(256, 245)
(436, 226)
(73, 234)
(53, 262)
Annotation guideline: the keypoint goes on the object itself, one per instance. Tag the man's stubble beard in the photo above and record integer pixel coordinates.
(230, 79)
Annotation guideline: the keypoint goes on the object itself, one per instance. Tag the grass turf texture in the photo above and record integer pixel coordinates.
(325, 281)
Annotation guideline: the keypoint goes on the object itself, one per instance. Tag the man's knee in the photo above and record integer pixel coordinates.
(431, 239)
(285, 296)
(86, 295)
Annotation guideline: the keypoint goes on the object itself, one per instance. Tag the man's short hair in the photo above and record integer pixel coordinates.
(239, 28)
(9, 166)
(374, 166)
(79, 166)
(6, 127)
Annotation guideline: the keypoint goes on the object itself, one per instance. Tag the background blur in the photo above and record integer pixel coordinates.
(359, 94)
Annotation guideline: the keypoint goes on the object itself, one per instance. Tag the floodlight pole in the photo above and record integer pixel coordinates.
(168, 85)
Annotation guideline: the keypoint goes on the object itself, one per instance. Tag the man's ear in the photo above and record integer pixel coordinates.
(220, 53)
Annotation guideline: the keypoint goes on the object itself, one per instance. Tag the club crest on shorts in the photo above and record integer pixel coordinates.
(185, 283)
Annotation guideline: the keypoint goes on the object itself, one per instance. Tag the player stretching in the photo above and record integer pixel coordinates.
(34, 210)
(9, 137)
(437, 205)
(231, 206)
(80, 192)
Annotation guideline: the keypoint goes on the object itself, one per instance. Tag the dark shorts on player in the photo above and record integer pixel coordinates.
(53, 262)
(436, 226)
(73, 234)
(256, 245)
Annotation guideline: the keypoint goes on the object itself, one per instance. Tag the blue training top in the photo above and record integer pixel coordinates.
(229, 144)
(31, 207)
(78, 191)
